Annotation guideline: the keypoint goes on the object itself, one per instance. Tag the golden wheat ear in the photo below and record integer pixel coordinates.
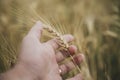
(61, 42)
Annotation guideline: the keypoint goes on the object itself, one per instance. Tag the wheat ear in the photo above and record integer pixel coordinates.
(61, 42)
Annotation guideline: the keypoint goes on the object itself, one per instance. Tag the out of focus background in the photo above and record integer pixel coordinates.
(95, 24)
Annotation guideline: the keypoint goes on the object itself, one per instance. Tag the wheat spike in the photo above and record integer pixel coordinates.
(61, 42)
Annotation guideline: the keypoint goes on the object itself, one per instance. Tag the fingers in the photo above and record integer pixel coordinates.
(36, 30)
(77, 77)
(66, 67)
(70, 65)
(60, 56)
(79, 58)
(55, 45)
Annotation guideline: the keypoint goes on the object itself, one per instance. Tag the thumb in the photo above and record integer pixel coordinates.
(36, 30)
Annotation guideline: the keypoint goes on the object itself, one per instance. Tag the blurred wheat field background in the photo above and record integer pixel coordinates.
(95, 24)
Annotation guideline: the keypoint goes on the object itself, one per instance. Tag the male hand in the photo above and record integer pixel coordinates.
(39, 61)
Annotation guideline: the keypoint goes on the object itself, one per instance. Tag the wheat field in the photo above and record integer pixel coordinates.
(95, 24)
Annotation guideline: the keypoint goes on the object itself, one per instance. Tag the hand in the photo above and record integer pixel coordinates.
(39, 61)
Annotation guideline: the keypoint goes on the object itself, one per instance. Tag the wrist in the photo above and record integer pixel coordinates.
(19, 72)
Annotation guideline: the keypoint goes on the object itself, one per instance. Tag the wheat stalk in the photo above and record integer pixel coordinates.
(61, 42)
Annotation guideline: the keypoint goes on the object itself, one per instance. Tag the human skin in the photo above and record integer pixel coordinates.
(39, 61)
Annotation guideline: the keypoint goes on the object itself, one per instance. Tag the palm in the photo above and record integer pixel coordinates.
(42, 57)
